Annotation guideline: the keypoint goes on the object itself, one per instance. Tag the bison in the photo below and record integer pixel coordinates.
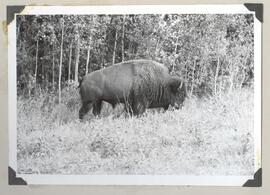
(138, 84)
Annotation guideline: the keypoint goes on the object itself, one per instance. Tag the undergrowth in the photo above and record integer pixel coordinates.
(211, 136)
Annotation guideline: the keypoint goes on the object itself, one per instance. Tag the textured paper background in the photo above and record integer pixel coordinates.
(6, 190)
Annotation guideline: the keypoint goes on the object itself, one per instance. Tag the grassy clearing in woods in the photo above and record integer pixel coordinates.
(210, 137)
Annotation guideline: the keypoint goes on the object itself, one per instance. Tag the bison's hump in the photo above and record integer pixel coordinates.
(143, 62)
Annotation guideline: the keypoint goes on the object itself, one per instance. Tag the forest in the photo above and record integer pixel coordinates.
(212, 134)
(212, 53)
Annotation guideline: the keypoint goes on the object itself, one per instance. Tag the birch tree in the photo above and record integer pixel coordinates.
(88, 56)
(61, 59)
(53, 67)
(36, 67)
(76, 71)
(123, 37)
(114, 47)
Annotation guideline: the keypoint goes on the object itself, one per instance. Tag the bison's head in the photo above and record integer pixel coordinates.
(178, 92)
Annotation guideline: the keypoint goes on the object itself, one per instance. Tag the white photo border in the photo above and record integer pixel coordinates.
(133, 179)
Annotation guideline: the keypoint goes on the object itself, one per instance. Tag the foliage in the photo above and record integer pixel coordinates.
(213, 53)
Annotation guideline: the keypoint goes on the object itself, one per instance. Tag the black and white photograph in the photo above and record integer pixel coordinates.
(135, 95)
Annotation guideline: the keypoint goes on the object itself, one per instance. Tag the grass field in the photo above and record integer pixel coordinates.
(206, 137)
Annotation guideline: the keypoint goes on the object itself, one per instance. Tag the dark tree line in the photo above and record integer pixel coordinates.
(213, 53)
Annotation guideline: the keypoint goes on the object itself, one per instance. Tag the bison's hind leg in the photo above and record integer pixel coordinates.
(84, 109)
(97, 108)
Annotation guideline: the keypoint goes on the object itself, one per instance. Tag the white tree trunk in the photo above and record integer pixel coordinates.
(175, 51)
(69, 61)
(60, 66)
(88, 57)
(77, 61)
(232, 71)
(193, 78)
(123, 37)
(53, 69)
(157, 46)
(216, 76)
(36, 65)
(114, 48)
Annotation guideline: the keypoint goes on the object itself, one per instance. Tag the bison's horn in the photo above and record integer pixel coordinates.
(181, 85)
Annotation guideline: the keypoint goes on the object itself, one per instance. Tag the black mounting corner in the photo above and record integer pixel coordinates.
(12, 10)
(258, 8)
(256, 181)
(13, 180)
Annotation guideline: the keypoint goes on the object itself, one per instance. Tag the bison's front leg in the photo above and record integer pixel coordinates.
(138, 108)
(84, 109)
(165, 107)
(128, 108)
(97, 108)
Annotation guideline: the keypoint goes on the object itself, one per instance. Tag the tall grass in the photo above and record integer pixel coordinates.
(207, 136)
